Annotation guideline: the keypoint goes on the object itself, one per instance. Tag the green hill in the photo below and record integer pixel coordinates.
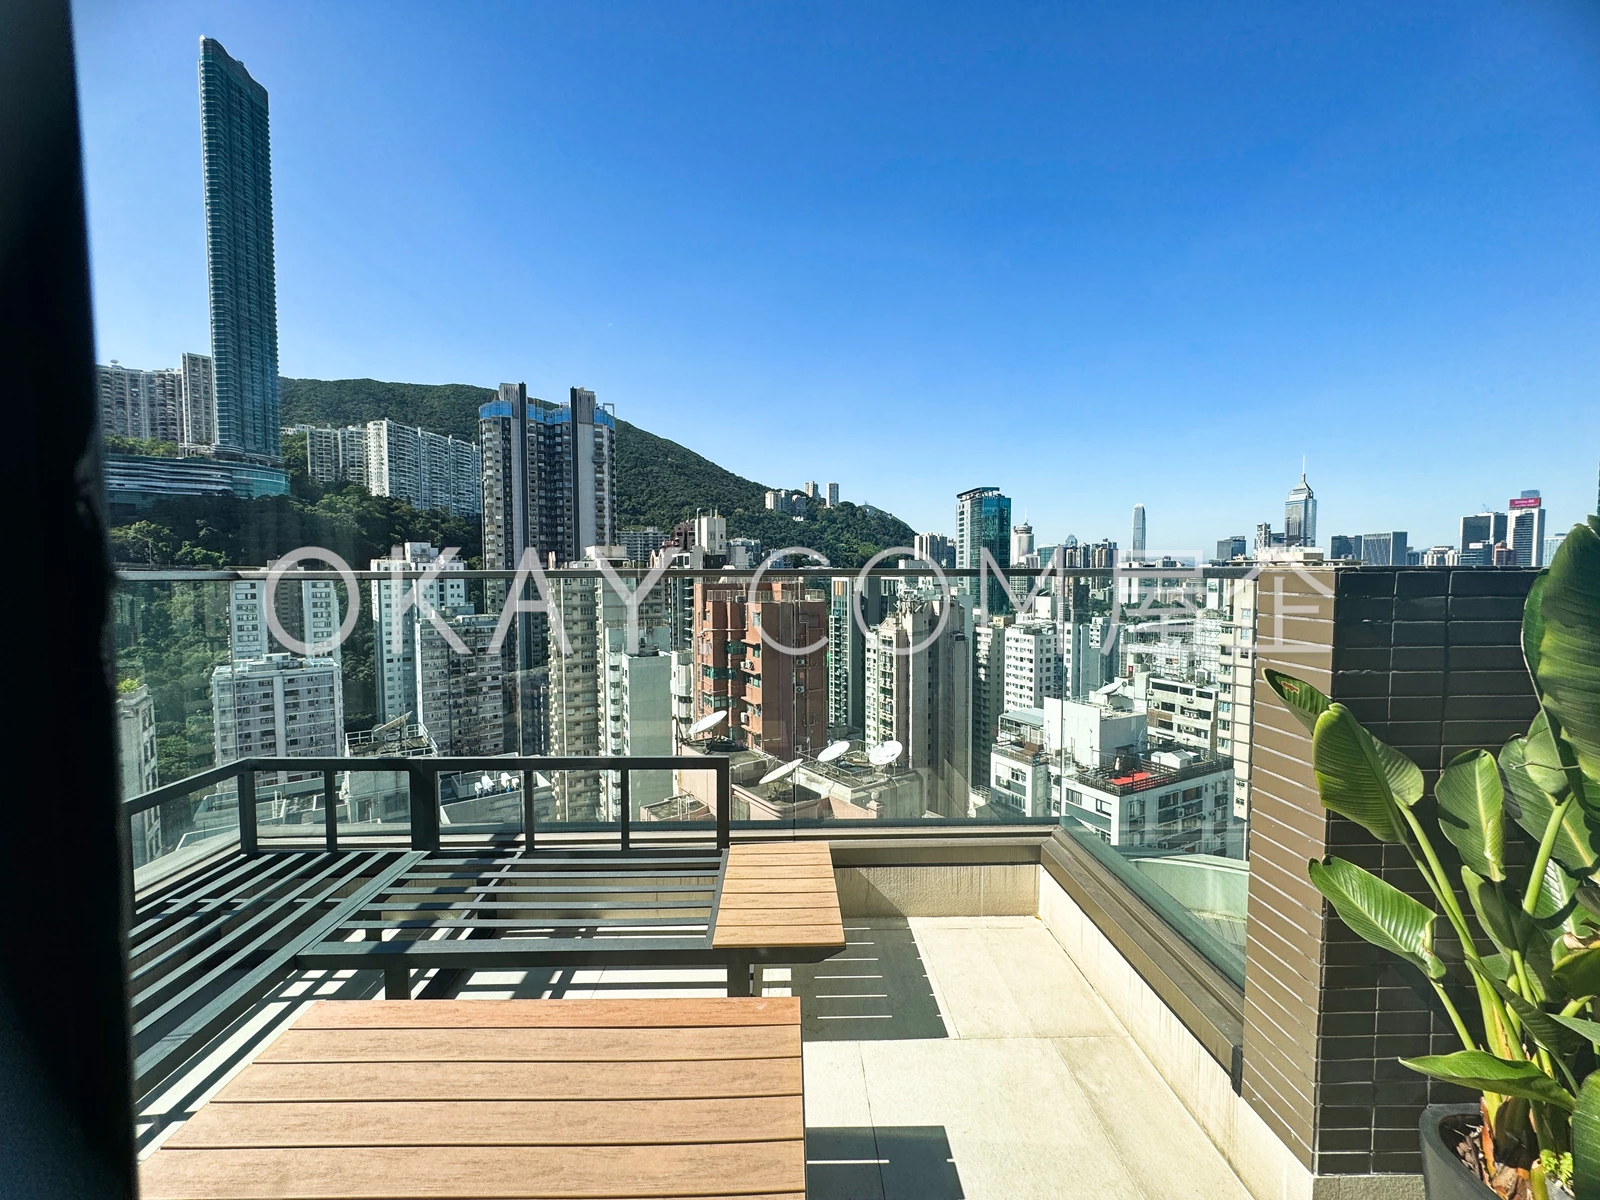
(450, 408)
(659, 482)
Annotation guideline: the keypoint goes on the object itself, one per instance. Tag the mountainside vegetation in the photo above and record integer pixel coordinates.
(659, 482)
(170, 636)
(450, 408)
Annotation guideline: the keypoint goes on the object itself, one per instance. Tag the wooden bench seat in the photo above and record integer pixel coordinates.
(505, 1100)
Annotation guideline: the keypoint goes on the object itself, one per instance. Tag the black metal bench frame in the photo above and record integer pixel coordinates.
(206, 947)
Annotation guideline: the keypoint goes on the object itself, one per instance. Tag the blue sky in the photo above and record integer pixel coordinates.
(1094, 254)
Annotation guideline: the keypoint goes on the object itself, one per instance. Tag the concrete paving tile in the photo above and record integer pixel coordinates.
(1036, 968)
(1016, 1122)
(1008, 978)
(972, 997)
(835, 1084)
(1149, 1129)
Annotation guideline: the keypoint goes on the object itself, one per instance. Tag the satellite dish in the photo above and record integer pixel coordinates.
(882, 756)
(708, 722)
(780, 772)
(832, 751)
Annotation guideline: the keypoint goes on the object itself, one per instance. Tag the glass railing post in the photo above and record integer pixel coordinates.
(127, 867)
(424, 808)
(330, 813)
(626, 806)
(720, 764)
(529, 817)
(247, 808)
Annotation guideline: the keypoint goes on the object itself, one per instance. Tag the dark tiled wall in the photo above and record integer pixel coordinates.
(1430, 660)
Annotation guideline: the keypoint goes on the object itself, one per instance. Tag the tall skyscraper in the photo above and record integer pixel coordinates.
(236, 156)
(1138, 529)
(1345, 545)
(1387, 549)
(549, 476)
(833, 495)
(1236, 546)
(983, 522)
(1300, 515)
(1486, 527)
(846, 649)
(1021, 542)
(934, 548)
(1525, 534)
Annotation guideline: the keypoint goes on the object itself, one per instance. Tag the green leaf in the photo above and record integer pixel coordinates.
(1577, 845)
(1533, 627)
(1568, 653)
(1485, 1072)
(1403, 775)
(1379, 912)
(1558, 897)
(1579, 972)
(1352, 778)
(1501, 917)
(1496, 966)
(1586, 1139)
(1472, 812)
(1543, 1027)
(1588, 1029)
(1302, 700)
(1545, 761)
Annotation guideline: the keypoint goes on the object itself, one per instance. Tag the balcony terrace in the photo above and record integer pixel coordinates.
(1014, 997)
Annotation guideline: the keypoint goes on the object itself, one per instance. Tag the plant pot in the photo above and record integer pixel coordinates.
(1444, 1175)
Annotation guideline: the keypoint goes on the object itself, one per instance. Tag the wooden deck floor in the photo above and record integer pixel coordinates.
(509, 1100)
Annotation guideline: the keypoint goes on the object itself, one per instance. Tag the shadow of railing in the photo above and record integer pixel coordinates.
(895, 1162)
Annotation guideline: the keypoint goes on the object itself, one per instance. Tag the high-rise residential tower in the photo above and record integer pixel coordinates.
(236, 156)
(197, 414)
(394, 623)
(1300, 515)
(1138, 529)
(549, 476)
(983, 522)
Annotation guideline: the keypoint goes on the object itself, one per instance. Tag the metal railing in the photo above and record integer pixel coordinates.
(423, 775)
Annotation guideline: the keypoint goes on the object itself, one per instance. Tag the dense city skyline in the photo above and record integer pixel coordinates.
(895, 254)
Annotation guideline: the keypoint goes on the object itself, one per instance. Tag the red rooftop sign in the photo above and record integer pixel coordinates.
(1526, 502)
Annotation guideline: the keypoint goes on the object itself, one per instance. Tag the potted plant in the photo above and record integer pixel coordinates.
(1527, 938)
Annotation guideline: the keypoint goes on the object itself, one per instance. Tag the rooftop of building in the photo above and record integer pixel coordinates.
(1130, 773)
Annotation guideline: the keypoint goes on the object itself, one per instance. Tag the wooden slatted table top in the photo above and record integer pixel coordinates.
(505, 1100)
(778, 895)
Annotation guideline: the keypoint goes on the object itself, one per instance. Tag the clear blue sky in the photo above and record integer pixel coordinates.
(1094, 254)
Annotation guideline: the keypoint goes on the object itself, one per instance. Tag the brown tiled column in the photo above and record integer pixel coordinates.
(1430, 661)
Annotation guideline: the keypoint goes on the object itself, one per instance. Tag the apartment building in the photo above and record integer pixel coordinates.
(918, 691)
(776, 700)
(278, 705)
(549, 476)
(394, 637)
(460, 697)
